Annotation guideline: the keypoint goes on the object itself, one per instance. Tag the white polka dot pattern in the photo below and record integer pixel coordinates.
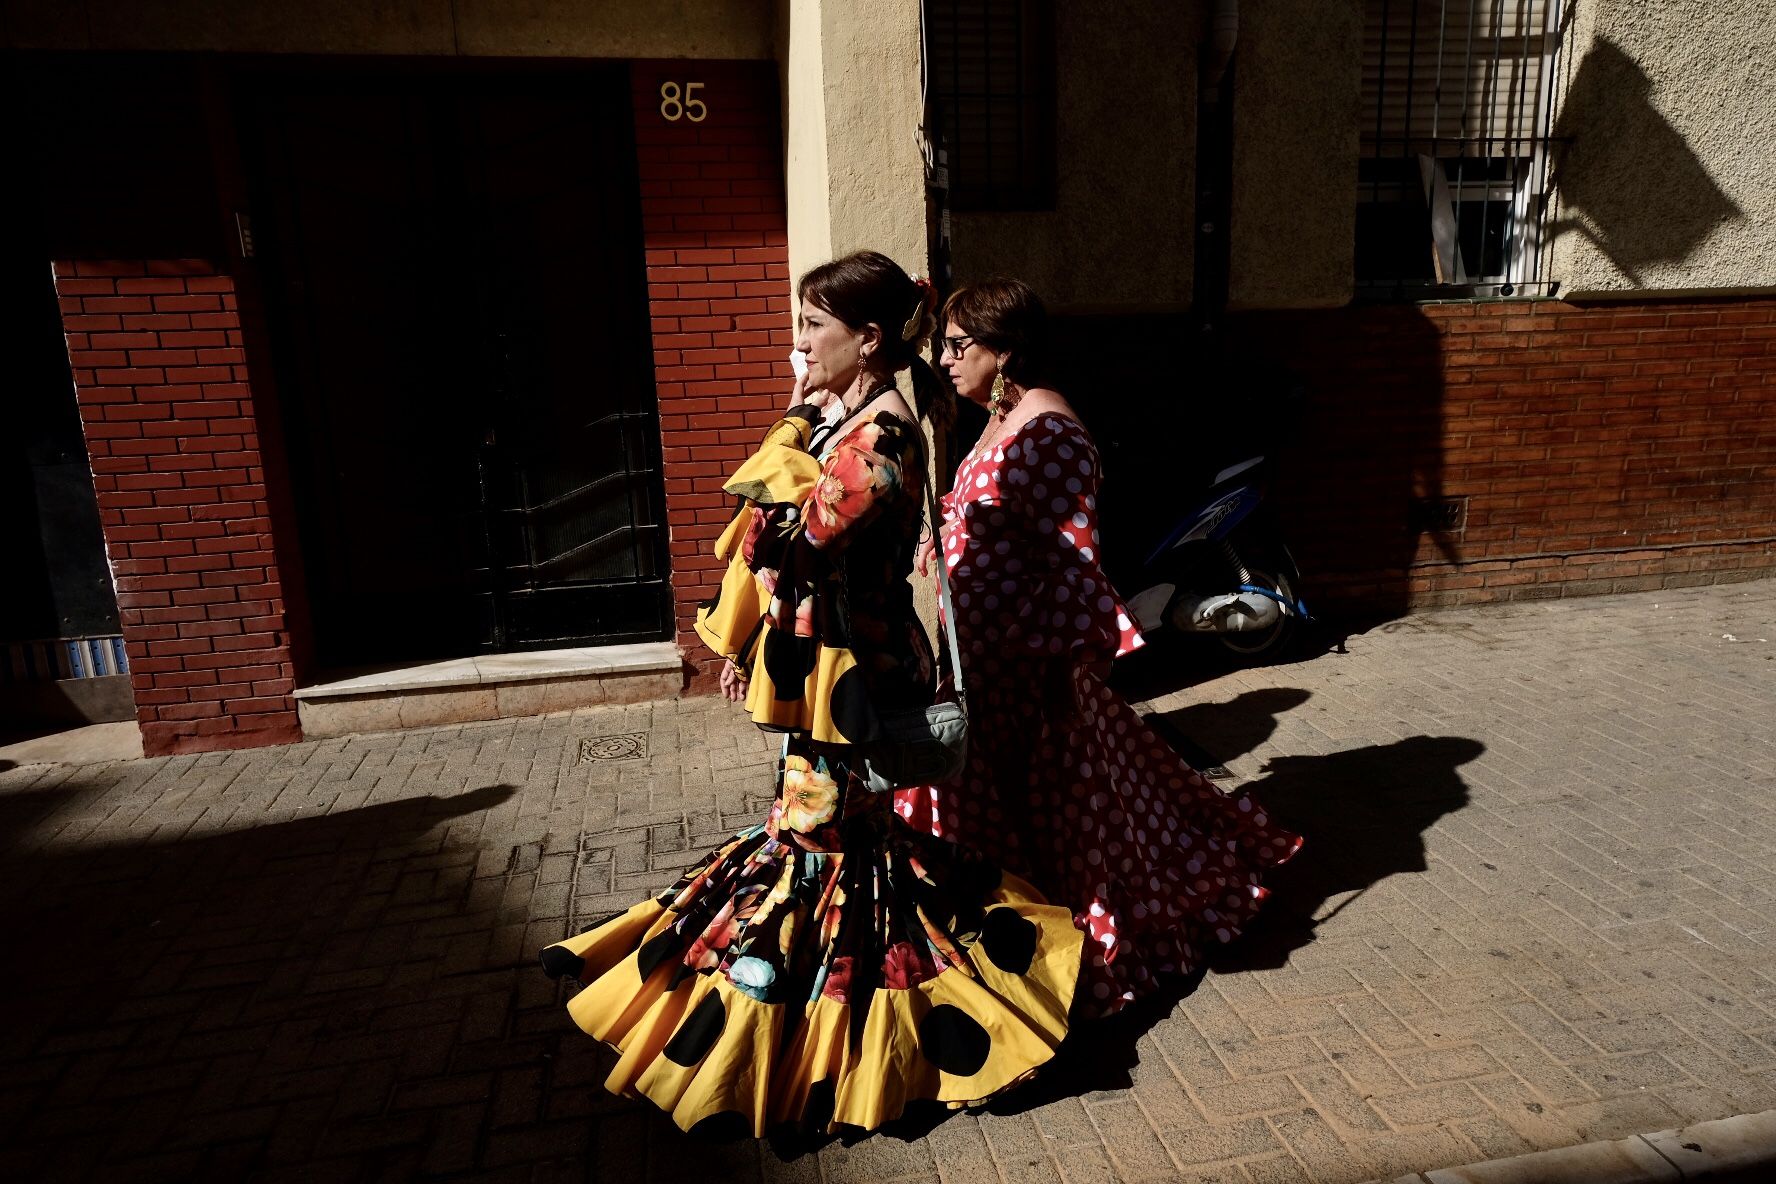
(1065, 782)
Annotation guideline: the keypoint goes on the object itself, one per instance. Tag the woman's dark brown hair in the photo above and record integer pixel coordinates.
(1007, 317)
(868, 288)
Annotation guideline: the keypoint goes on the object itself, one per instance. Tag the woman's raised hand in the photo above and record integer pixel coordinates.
(798, 393)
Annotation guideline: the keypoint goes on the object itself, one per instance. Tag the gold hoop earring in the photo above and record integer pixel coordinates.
(996, 399)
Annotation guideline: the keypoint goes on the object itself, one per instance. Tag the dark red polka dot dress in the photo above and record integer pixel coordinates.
(1065, 782)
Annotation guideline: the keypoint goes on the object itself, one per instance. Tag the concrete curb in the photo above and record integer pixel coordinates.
(1739, 1148)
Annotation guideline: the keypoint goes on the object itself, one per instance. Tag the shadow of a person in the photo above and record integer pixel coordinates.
(1211, 734)
(237, 966)
(141, 900)
(1364, 814)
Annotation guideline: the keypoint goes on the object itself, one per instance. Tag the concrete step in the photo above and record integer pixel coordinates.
(499, 686)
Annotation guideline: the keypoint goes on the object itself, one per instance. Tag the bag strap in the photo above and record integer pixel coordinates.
(947, 625)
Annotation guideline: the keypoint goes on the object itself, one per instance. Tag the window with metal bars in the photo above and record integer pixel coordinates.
(1453, 180)
(990, 71)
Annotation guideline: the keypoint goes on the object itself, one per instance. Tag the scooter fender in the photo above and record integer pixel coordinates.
(1214, 521)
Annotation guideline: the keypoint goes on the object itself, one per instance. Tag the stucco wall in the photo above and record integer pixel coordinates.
(856, 179)
(1295, 148)
(483, 28)
(1669, 180)
(1119, 236)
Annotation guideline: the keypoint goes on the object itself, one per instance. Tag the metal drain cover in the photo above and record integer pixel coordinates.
(630, 747)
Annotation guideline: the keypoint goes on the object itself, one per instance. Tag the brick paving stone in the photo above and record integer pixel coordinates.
(1535, 910)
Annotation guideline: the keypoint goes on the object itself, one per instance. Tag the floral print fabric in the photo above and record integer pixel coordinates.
(815, 604)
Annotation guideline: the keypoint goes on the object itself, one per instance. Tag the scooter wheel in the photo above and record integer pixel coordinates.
(1272, 644)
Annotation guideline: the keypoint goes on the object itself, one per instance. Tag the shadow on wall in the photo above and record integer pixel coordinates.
(1363, 474)
(1643, 198)
(1362, 463)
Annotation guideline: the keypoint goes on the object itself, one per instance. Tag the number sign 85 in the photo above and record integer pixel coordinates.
(676, 104)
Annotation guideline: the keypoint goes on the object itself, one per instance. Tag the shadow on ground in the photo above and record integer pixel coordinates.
(1364, 813)
(1171, 662)
(352, 996)
(1209, 735)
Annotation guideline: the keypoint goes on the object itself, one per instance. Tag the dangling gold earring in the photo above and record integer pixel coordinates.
(996, 399)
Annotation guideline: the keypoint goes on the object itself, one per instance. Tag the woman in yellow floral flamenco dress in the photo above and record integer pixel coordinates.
(830, 965)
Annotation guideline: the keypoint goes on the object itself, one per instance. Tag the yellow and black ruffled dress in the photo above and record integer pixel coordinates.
(830, 965)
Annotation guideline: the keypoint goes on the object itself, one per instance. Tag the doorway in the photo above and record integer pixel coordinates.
(456, 301)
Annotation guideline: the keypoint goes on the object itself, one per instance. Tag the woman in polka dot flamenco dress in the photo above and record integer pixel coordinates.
(830, 965)
(1065, 783)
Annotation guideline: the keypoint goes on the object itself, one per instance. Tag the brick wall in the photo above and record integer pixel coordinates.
(1610, 448)
(718, 292)
(161, 379)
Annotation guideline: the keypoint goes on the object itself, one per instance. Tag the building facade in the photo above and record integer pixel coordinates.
(1519, 254)
(419, 337)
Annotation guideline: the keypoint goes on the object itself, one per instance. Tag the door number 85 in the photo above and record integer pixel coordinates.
(676, 104)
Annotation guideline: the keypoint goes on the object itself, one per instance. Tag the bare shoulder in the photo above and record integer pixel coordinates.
(1040, 401)
(894, 403)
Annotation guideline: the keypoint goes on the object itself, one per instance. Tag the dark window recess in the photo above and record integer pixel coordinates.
(57, 584)
(990, 75)
(1453, 180)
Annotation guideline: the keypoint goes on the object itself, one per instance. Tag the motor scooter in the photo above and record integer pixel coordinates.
(1222, 568)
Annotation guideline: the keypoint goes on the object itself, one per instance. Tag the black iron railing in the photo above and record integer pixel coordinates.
(1458, 100)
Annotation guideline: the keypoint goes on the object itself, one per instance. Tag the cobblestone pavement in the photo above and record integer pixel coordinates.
(1535, 911)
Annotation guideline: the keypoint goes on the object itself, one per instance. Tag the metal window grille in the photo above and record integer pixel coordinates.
(990, 72)
(1453, 179)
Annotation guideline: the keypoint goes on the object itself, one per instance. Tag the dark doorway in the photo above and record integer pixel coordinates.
(455, 290)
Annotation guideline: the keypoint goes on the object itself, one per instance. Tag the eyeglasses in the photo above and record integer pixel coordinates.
(955, 347)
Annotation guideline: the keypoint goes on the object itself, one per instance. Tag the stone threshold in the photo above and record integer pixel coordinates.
(499, 686)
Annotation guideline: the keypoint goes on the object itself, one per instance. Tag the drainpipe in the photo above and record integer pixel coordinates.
(937, 173)
(1214, 166)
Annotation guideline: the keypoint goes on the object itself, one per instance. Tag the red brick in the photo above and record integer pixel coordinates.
(203, 302)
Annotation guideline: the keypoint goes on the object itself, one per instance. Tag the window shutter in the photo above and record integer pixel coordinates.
(1453, 77)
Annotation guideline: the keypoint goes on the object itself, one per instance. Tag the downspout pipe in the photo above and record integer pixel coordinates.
(1214, 166)
(1224, 25)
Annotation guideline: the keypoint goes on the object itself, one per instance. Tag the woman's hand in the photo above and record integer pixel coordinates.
(929, 548)
(733, 687)
(799, 394)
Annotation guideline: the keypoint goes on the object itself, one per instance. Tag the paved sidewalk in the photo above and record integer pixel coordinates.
(1543, 840)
